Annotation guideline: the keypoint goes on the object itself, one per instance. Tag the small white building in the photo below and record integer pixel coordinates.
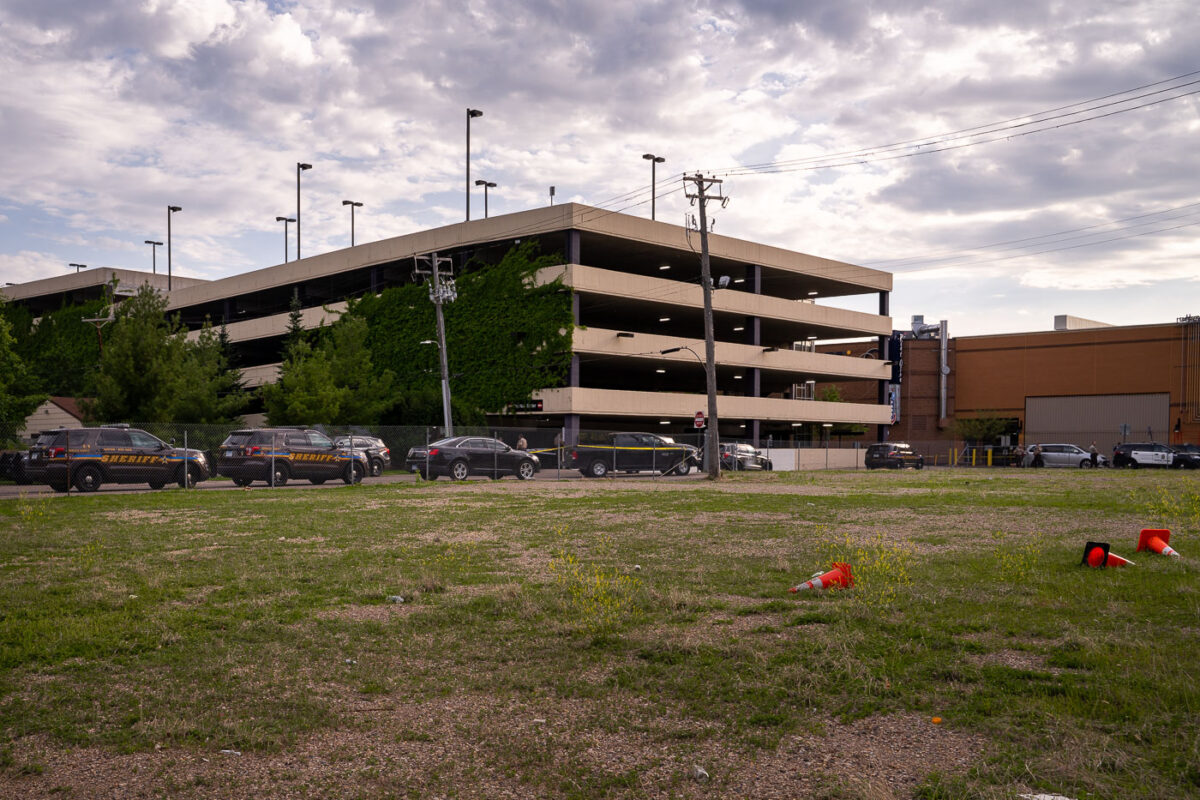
(56, 412)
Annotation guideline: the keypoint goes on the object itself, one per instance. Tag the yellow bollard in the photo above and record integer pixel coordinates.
(989, 458)
(972, 458)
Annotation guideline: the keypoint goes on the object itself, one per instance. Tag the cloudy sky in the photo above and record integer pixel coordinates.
(1007, 161)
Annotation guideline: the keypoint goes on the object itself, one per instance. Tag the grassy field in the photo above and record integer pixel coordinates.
(605, 639)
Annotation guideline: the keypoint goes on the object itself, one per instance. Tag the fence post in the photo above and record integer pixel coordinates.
(187, 475)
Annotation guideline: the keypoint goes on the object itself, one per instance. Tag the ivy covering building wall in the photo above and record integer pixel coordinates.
(506, 338)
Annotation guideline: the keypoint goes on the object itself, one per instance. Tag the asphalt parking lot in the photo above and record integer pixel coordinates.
(11, 490)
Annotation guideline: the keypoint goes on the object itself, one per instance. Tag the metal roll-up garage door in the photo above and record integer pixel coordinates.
(1083, 419)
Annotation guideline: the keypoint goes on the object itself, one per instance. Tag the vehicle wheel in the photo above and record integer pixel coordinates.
(354, 473)
(597, 469)
(317, 481)
(376, 468)
(280, 478)
(459, 470)
(423, 474)
(60, 487)
(683, 469)
(88, 478)
(1085, 464)
(920, 465)
(189, 478)
(525, 470)
(156, 485)
(241, 481)
(1133, 464)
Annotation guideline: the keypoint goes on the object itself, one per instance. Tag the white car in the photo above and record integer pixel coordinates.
(1064, 455)
(1143, 454)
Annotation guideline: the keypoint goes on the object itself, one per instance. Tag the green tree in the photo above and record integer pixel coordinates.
(151, 372)
(981, 430)
(833, 394)
(331, 382)
(16, 400)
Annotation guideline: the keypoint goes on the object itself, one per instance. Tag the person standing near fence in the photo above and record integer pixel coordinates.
(522, 444)
(1095, 453)
(1038, 461)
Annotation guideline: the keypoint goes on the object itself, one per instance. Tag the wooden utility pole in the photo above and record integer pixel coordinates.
(440, 290)
(712, 456)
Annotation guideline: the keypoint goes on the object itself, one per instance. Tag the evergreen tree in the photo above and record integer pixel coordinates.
(151, 372)
(332, 382)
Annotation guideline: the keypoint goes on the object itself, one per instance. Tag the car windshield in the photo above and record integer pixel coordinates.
(237, 439)
(451, 442)
(667, 440)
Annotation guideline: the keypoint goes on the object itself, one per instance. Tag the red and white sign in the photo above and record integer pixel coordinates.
(699, 423)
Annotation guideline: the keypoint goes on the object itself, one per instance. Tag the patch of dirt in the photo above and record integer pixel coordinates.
(472, 746)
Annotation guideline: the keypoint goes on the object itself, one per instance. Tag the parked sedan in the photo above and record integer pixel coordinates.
(1064, 455)
(378, 453)
(459, 457)
(743, 456)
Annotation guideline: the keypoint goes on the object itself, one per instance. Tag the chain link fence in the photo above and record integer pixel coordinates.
(184, 453)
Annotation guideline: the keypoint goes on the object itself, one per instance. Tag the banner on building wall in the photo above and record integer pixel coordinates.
(894, 401)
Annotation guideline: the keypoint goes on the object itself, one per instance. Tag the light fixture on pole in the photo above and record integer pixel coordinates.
(486, 185)
(654, 160)
(170, 210)
(471, 114)
(285, 221)
(153, 255)
(78, 267)
(299, 168)
(551, 195)
(353, 205)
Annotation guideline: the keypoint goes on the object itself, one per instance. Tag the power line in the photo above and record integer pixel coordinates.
(944, 142)
(1151, 218)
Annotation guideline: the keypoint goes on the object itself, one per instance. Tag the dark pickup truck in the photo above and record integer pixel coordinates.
(633, 452)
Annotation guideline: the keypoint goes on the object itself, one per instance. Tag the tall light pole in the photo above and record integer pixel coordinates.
(153, 255)
(299, 168)
(353, 205)
(285, 221)
(471, 114)
(654, 160)
(486, 185)
(78, 267)
(170, 210)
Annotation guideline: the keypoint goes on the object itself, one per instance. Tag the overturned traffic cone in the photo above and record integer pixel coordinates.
(1096, 555)
(839, 577)
(1156, 539)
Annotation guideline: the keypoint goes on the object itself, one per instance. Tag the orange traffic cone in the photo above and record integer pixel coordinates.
(837, 578)
(1096, 555)
(1157, 539)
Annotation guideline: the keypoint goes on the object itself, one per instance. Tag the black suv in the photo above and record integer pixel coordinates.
(893, 455)
(378, 453)
(86, 458)
(274, 455)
